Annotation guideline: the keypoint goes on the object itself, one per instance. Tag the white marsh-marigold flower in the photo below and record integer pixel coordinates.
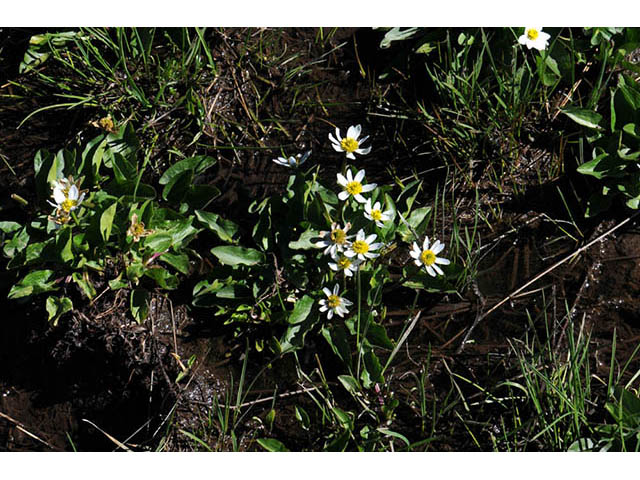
(353, 187)
(292, 162)
(375, 213)
(426, 256)
(343, 263)
(351, 143)
(67, 196)
(335, 240)
(534, 37)
(334, 303)
(363, 247)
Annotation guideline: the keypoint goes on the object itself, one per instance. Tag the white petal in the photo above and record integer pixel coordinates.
(425, 244)
(343, 195)
(323, 308)
(349, 254)
(437, 248)
(58, 196)
(418, 263)
(351, 156)
(341, 180)
(414, 254)
(522, 39)
(371, 255)
(326, 291)
(360, 198)
(333, 266)
(330, 314)
(437, 269)
(349, 176)
(336, 289)
(369, 187)
(353, 132)
(360, 235)
(338, 136)
(337, 147)
(73, 193)
(363, 151)
(359, 176)
(347, 303)
(443, 261)
(430, 271)
(376, 246)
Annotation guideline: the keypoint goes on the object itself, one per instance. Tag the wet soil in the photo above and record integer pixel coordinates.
(101, 382)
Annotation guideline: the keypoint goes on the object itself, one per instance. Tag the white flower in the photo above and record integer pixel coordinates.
(362, 247)
(534, 37)
(349, 144)
(294, 162)
(427, 256)
(376, 214)
(334, 303)
(335, 240)
(67, 196)
(344, 263)
(353, 186)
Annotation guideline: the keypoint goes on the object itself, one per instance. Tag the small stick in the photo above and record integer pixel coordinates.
(20, 427)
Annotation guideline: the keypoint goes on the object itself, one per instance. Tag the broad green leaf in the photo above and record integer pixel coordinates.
(303, 417)
(351, 384)
(163, 278)
(9, 227)
(232, 255)
(33, 284)
(178, 261)
(583, 116)
(63, 245)
(226, 230)
(301, 310)
(84, 283)
(139, 304)
(106, 221)
(56, 307)
(337, 338)
(272, 445)
(304, 242)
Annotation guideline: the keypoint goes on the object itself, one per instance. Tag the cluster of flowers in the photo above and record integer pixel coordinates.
(347, 253)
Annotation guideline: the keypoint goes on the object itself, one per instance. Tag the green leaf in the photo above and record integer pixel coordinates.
(178, 261)
(226, 230)
(301, 310)
(17, 244)
(33, 284)
(351, 384)
(583, 116)
(106, 221)
(304, 241)
(303, 417)
(9, 227)
(139, 304)
(272, 445)
(232, 255)
(163, 278)
(56, 307)
(63, 245)
(158, 242)
(83, 282)
(337, 338)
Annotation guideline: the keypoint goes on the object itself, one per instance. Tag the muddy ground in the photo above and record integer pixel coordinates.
(100, 378)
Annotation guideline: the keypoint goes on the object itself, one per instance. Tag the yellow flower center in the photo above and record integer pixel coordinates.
(68, 204)
(338, 236)
(532, 34)
(344, 263)
(428, 257)
(333, 301)
(376, 215)
(353, 188)
(137, 229)
(349, 144)
(360, 246)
